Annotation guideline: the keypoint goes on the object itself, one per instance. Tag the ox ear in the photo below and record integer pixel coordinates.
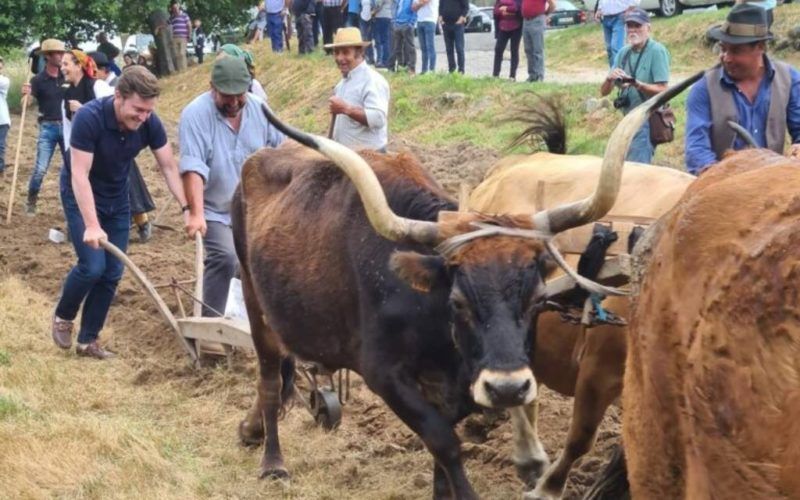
(420, 272)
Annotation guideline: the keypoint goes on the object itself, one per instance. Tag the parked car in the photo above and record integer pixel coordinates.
(478, 20)
(667, 8)
(566, 14)
(139, 43)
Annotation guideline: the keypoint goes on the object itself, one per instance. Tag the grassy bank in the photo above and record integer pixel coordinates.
(16, 68)
(683, 35)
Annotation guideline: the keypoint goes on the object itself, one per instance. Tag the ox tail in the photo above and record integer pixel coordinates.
(613, 483)
(287, 377)
(544, 123)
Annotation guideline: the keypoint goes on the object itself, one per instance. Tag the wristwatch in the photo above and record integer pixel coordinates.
(185, 208)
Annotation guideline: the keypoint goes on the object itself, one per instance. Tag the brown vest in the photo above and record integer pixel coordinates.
(723, 109)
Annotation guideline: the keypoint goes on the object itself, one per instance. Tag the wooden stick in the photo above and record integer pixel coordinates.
(198, 262)
(330, 127)
(19, 145)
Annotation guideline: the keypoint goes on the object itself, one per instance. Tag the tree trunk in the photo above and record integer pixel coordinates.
(164, 58)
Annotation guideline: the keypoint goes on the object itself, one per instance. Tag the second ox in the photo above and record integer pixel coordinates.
(569, 358)
(355, 271)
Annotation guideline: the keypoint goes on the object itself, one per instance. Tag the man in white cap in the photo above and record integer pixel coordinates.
(640, 71)
(217, 132)
(47, 88)
(360, 104)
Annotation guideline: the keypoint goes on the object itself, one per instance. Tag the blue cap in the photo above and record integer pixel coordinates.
(638, 16)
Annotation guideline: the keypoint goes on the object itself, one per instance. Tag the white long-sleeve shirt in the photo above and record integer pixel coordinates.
(366, 88)
(5, 83)
(614, 7)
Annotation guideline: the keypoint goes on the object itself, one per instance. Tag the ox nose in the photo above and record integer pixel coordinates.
(507, 392)
(504, 389)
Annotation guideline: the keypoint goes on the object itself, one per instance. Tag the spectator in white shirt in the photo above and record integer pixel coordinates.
(5, 119)
(360, 104)
(609, 14)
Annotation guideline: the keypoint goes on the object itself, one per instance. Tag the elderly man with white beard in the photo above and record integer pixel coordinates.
(640, 70)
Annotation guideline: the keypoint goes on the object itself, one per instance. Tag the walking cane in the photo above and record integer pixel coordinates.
(19, 145)
(330, 127)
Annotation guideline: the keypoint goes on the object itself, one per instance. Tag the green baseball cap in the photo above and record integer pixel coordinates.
(230, 75)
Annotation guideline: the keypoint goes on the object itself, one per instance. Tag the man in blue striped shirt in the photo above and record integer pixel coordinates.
(748, 87)
(181, 31)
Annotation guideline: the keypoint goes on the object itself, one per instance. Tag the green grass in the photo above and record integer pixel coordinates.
(16, 67)
(5, 358)
(9, 407)
(439, 109)
(683, 35)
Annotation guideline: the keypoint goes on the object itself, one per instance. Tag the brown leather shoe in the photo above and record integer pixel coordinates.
(93, 350)
(62, 332)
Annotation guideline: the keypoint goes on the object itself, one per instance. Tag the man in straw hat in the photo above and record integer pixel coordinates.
(48, 89)
(360, 104)
(217, 132)
(747, 87)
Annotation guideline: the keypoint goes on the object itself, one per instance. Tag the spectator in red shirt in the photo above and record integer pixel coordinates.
(508, 26)
(534, 21)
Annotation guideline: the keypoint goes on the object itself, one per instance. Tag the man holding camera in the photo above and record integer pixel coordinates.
(640, 70)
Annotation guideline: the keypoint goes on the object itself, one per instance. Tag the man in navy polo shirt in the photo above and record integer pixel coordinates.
(107, 135)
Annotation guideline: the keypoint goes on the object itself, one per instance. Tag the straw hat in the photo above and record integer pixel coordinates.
(347, 37)
(52, 45)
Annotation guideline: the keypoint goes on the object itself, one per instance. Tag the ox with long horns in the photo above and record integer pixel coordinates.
(354, 271)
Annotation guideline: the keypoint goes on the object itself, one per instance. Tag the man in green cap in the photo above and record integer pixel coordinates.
(217, 132)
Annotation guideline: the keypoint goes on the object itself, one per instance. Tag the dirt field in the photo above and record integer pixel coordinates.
(189, 449)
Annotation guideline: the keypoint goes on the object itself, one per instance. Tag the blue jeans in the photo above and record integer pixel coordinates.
(426, 31)
(641, 149)
(3, 136)
(50, 136)
(93, 281)
(614, 35)
(366, 35)
(275, 30)
(454, 39)
(382, 32)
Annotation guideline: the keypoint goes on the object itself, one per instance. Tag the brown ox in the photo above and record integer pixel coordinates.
(712, 381)
(410, 303)
(585, 364)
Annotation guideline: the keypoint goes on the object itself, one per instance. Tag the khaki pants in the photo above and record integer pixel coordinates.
(179, 46)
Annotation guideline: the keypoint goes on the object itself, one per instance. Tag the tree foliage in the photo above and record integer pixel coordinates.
(22, 21)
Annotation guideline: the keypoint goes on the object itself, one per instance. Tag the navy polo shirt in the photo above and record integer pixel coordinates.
(95, 130)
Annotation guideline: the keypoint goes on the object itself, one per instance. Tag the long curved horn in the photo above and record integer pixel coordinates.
(383, 220)
(600, 202)
(743, 133)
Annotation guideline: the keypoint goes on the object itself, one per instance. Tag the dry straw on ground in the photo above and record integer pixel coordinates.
(146, 425)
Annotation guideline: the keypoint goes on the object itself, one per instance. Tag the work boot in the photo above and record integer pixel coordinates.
(145, 232)
(62, 332)
(93, 350)
(30, 206)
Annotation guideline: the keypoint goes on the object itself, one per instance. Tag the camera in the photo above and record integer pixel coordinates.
(622, 101)
(619, 82)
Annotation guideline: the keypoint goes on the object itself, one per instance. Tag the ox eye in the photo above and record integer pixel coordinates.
(459, 305)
